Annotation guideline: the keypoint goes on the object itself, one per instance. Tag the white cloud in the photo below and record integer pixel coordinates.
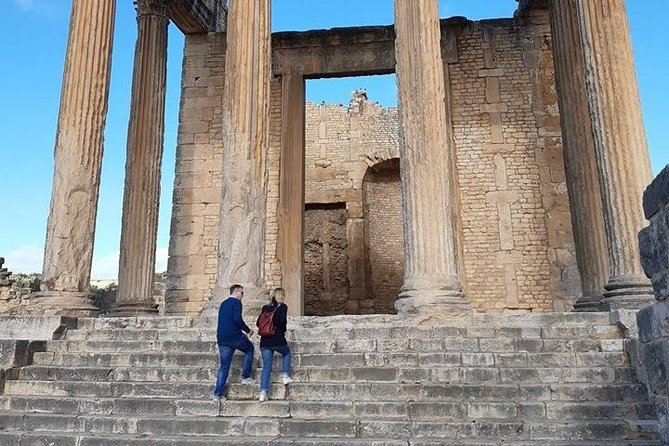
(161, 260)
(24, 259)
(105, 267)
(26, 5)
(47, 8)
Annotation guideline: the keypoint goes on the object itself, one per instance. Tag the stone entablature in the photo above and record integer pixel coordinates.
(516, 229)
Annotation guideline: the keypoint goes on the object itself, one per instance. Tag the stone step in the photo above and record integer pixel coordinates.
(456, 374)
(339, 391)
(404, 333)
(495, 320)
(374, 359)
(389, 410)
(501, 344)
(300, 428)
(37, 438)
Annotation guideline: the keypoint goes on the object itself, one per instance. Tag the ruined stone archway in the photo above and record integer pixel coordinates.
(384, 235)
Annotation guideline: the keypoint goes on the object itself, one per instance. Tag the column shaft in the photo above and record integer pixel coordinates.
(620, 144)
(143, 162)
(579, 153)
(431, 279)
(70, 234)
(291, 193)
(245, 136)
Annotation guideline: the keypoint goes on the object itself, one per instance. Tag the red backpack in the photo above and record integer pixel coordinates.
(266, 328)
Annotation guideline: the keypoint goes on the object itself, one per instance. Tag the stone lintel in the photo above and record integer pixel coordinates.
(374, 47)
(334, 196)
(199, 16)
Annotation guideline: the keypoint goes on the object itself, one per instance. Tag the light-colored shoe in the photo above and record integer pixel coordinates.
(286, 379)
(217, 398)
(248, 381)
(263, 396)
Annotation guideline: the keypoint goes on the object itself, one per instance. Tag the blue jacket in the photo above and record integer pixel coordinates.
(230, 322)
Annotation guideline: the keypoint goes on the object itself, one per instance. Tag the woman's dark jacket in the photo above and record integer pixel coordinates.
(280, 320)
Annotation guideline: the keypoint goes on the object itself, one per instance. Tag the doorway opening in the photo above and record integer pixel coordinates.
(352, 263)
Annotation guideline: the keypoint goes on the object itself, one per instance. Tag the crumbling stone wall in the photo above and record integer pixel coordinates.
(344, 146)
(652, 353)
(14, 299)
(326, 285)
(516, 229)
(5, 281)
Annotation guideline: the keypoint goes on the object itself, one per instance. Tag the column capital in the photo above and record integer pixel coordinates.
(158, 8)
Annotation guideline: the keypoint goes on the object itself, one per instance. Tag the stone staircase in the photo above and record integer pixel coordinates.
(493, 379)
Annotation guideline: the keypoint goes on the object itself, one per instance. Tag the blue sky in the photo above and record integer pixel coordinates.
(34, 33)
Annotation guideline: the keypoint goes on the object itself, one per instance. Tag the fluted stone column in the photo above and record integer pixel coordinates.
(579, 153)
(245, 136)
(143, 162)
(431, 278)
(620, 145)
(65, 287)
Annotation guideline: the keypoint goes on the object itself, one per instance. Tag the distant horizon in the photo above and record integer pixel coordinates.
(30, 88)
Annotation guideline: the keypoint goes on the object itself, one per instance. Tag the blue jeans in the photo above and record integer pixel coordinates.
(267, 359)
(227, 349)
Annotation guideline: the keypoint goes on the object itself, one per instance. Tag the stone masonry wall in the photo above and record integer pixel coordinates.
(652, 352)
(515, 212)
(517, 241)
(384, 234)
(193, 248)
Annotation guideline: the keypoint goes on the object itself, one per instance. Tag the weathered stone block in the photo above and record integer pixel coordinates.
(653, 322)
(656, 195)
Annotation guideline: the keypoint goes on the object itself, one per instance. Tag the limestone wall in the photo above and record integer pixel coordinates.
(193, 244)
(518, 246)
(516, 228)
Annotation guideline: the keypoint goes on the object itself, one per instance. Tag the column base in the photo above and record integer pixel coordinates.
(626, 292)
(67, 303)
(432, 301)
(585, 304)
(134, 309)
(252, 303)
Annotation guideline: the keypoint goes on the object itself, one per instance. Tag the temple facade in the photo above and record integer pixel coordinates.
(508, 179)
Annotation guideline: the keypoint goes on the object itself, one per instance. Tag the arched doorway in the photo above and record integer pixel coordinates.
(384, 234)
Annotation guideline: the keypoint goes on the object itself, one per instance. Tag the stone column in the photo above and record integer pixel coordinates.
(431, 278)
(143, 162)
(68, 254)
(579, 154)
(620, 145)
(245, 136)
(291, 193)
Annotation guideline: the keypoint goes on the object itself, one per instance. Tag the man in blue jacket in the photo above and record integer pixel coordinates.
(230, 337)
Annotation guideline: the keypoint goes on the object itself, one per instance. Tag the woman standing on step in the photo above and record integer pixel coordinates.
(272, 330)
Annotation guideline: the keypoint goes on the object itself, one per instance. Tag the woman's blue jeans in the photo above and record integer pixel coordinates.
(227, 349)
(267, 359)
